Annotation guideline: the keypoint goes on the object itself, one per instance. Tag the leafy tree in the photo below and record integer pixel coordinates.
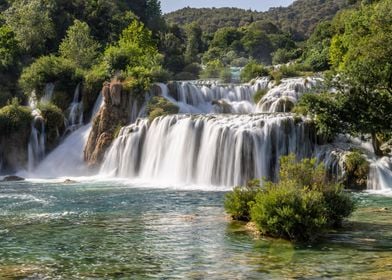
(194, 44)
(258, 45)
(78, 46)
(9, 49)
(32, 23)
(253, 70)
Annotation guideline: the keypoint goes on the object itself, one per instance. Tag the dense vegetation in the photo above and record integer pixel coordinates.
(300, 207)
(299, 19)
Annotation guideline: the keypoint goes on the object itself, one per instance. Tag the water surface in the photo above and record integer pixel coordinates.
(122, 231)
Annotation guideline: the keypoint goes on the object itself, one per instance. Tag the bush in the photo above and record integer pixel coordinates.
(259, 95)
(285, 211)
(160, 75)
(225, 76)
(356, 169)
(14, 118)
(237, 202)
(212, 69)
(253, 70)
(193, 68)
(300, 207)
(159, 106)
(54, 120)
(50, 69)
(185, 76)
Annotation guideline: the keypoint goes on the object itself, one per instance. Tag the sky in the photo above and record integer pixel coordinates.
(259, 5)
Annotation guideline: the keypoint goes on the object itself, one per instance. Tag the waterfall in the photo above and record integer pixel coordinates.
(283, 97)
(36, 146)
(380, 175)
(75, 112)
(207, 149)
(67, 159)
(200, 98)
(48, 93)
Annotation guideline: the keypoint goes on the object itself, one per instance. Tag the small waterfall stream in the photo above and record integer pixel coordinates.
(75, 112)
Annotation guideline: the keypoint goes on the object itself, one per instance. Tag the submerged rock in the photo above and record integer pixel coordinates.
(12, 179)
(69, 181)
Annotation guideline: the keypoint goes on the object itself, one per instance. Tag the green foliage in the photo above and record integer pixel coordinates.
(159, 106)
(284, 55)
(78, 46)
(54, 120)
(299, 19)
(259, 95)
(50, 69)
(185, 76)
(136, 48)
(356, 169)
(194, 44)
(213, 69)
(253, 70)
(9, 49)
(300, 207)
(237, 202)
(225, 75)
(32, 24)
(193, 68)
(14, 118)
(288, 212)
(257, 44)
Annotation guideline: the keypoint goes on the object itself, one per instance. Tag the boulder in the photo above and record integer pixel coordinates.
(106, 93)
(12, 178)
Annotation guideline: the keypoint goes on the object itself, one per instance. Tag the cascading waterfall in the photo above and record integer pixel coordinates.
(67, 159)
(380, 175)
(75, 112)
(210, 150)
(36, 145)
(197, 98)
(48, 93)
(283, 97)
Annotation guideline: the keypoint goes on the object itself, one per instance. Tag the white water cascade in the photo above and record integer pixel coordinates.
(67, 159)
(283, 97)
(222, 150)
(202, 98)
(75, 112)
(380, 176)
(36, 145)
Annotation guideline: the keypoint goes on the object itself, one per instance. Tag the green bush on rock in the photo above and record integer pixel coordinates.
(14, 118)
(356, 170)
(253, 70)
(54, 120)
(159, 106)
(300, 207)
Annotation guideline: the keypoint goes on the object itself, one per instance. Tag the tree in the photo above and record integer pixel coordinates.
(194, 44)
(32, 23)
(79, 46)
(258, 45)
(9, 49)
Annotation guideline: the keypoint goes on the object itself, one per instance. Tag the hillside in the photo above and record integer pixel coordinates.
(299, 18)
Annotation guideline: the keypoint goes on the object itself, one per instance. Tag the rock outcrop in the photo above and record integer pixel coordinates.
(114, 114)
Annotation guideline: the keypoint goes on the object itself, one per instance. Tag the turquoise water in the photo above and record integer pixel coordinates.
(115, 231)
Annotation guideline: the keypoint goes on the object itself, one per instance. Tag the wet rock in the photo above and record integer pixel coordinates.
(172, 86)
(115, 93)
(69, 181)
(12, 179)
(156, 90)
(114, 114)
(106, 93)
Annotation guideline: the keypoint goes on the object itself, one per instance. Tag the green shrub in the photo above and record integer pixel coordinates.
(54, 120)
(160, 75)
(259, 95)
(253, 70)
(356, 170)
(193, 68)
(285, 211)
(237, 202)
(50, 69)
(225, 75)
(212, 69)
(14, 118)
(159, 106)
(299, 207)
(185, 76)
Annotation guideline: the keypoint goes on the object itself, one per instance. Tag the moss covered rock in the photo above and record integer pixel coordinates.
(159, 106)
(356, 170)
